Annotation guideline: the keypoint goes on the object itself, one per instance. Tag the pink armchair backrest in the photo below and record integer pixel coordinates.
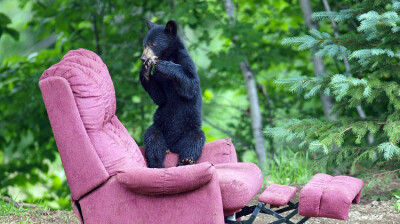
(80, 100)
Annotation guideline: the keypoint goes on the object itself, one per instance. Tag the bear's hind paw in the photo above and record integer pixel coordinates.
(186, 161)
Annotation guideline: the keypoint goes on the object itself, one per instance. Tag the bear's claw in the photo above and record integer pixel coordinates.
(186, 161)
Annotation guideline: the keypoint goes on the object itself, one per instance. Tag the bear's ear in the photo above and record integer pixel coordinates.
(150, 24)
(171, 28)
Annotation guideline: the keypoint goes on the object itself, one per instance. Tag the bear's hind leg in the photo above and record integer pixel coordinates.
(155, 147)
(189, 147)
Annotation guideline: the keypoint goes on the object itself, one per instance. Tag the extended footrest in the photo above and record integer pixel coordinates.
(323, 196)
(330, 197)
(277, 195)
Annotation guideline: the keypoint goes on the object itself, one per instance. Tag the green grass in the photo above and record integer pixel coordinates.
(396, 199)
(24, 215)
(289, 167)
(9, 208)
(286, 167)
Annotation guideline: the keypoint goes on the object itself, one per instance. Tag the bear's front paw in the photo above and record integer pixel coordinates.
(186, 161)
(154, 60)
(148, 64)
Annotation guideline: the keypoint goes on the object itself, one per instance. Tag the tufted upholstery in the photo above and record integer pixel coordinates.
(328, 196)
(91, 85)
(94, 95)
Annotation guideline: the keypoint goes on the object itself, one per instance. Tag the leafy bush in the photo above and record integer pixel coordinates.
(396, 199)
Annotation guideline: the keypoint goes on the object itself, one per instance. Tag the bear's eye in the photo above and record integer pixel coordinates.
(152, 44)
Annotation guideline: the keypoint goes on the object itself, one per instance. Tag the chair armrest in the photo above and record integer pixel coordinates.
(173, 180)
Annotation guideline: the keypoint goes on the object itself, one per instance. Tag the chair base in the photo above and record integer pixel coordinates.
(262, 208)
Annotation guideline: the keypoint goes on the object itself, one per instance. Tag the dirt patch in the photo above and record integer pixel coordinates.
(368, 211)
(381, 212)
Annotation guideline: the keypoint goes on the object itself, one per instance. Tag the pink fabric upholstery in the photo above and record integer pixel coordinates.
(172, 180)
(94, 96)
(215, 152)
(113, 203)
(91, 84)
(276, 194)
(331, 197)
(218, 152)
(239, 183)
(83, 167)
(96, 150)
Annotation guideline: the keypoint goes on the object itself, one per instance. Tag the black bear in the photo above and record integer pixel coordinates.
(169, 76)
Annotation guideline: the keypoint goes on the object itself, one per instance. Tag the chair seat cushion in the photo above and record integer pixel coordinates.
(239, 183)
(331, 197)
(276, 194)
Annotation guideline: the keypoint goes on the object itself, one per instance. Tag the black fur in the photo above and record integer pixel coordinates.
(175, 87)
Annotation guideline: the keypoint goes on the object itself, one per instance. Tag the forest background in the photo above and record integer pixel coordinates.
(257, 87)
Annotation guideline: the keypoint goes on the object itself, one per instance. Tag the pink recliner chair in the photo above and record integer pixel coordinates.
(106, 171)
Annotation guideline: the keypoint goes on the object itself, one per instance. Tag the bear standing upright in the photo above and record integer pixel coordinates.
(175, 87)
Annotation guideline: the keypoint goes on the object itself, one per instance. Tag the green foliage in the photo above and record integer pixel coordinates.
(290, 167)
(26, 139)
(396, 198)
(4, 29)
(327, 46)
(371, 81)
(340, 16)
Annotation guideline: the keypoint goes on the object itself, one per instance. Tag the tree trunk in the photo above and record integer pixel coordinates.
(230, 10)
(270, 116)
(255, 113)
(319, 67)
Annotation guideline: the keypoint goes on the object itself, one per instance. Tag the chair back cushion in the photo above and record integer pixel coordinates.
(94, 95)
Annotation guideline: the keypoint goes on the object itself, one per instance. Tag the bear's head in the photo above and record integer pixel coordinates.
(161, 41)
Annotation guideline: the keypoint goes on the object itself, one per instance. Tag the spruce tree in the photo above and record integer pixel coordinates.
(370, 41)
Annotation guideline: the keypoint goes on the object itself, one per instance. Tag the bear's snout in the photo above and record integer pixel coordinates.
(147, 53)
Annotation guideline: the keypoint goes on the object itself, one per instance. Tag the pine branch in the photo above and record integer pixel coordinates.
(372, 53)
(385, 173)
